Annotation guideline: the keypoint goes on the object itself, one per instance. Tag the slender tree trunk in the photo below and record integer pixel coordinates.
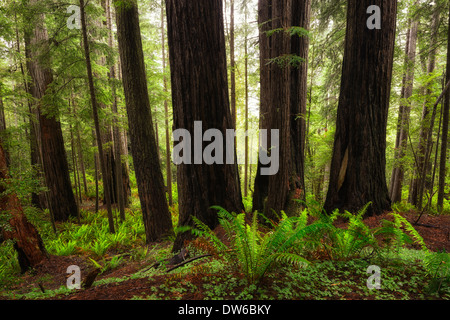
(28, 242)
(357, 174)
(150, 181)
(80, 152)
(3, 130)
(105, 176)
(404, 115)
(416, 190)
(200, 93)
(444, 144)
(265, 24)
(166, 110)
(119, 190)
(246, 105)
(61, 198)
(232, 66)
(37, 200)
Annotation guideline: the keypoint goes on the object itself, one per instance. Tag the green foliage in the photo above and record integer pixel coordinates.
(252, 251)
(437, 265)
(9, 265)
(351, 242)
(400, 232)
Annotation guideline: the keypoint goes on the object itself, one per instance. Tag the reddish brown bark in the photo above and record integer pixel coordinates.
(28, 242)
(358, 166)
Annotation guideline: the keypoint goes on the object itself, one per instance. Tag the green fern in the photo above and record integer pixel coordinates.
(437, 265)
(399, 232)
(252, 251)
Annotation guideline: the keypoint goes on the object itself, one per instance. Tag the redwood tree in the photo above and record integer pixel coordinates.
(200, 93)
(149, 178)
(61, 199)
(27, 241)
(357, 174)
(284, 50)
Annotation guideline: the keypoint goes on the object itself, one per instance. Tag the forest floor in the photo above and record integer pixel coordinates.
(206, 279)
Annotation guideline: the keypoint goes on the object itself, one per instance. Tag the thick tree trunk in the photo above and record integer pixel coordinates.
(358, 165)
(61, 198)
(283, 102)
(200, 93)
(157, 219)
(28, 243)
(301, 11)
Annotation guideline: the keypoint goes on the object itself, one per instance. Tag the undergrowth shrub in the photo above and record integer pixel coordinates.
(437, 265)
(254, 251)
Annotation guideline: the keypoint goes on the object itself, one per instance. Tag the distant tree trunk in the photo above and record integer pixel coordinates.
(418, 183)
(398, 172)
(261, 183)
(117, 137)
(357, 174)
(61, 198)
(444, 145)
(28, 242)
(232, 65)
(150, 181)
(200, 93)
(166, 109)
(105, 175)
(246, 105)
(3, 130)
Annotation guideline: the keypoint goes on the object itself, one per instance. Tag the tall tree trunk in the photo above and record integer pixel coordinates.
(232, 66)
(417, 186)
(3, 130)
(265, 42)
(61, 198)
(28, 242)
(105, 175)
(200, 93)
(444, 145)
(150, 181)
(37, 200)
(283, 102)
(117, 137)
(301, 12)
(166, 109)
(398, 172)
(246, 104)
(357, 174)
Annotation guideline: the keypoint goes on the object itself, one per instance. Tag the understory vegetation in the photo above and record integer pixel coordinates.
(303, 257)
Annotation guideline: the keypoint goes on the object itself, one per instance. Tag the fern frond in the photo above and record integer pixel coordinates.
(401, 221)
(291, 258)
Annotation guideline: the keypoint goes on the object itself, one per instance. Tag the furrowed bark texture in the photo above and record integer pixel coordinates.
(200, 93)
(157, 219)
(357, 174)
